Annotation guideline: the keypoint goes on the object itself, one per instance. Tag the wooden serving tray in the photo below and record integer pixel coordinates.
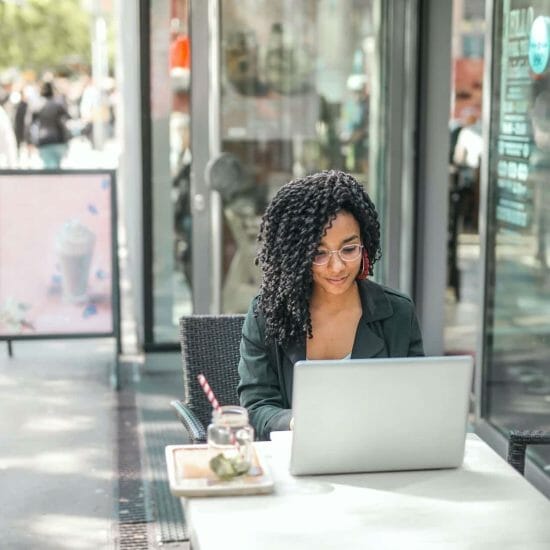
(189, 474)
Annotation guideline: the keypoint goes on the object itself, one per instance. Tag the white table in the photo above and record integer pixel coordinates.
(485, 505)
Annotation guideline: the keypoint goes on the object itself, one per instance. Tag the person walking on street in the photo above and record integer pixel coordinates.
(48, 129)
(8, 144)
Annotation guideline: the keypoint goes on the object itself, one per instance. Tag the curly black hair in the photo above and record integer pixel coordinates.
(291, 229)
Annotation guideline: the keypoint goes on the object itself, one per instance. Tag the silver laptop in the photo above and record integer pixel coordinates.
(370, 415)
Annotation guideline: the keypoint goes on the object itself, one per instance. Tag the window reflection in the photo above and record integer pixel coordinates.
(171, 165)
(517, 339)
(466, 148)
(180, 152)
(295, 81)
(300, 85)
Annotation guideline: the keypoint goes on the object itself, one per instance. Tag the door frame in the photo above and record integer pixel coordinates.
(206, 206)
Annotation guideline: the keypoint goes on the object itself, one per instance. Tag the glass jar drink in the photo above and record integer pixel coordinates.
(230, 439)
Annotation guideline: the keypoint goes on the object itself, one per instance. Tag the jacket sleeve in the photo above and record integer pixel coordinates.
(416, 347)
(259, 388)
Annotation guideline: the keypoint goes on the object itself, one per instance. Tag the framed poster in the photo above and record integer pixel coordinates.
(58, 254)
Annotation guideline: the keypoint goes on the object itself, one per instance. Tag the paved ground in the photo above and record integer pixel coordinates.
(80, 155)
(56, 438)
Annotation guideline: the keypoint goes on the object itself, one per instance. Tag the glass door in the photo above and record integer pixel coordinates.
(514, 383)
(294, 87)
(241, 96)
(295, 98)
(167, 219)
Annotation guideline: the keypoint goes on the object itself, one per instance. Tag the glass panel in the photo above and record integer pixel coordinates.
(296, 82)
(516, 376)
(171, 163)
(466, 146)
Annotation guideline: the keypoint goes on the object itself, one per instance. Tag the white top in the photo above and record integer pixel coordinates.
(483, 505)
(348, 356)
(469, 147)
(8, 144)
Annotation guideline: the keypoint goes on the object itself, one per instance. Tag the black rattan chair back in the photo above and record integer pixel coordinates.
(210, 345)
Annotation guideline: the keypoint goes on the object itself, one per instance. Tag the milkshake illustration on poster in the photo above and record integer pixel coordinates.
(74, 246)
(56, 253)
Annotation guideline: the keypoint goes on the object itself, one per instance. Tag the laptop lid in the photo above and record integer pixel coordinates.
(369, 415)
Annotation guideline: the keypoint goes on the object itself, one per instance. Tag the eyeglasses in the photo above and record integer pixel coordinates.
(348, 253)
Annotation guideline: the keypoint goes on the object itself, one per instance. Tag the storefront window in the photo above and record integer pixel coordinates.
(283, 88)
(466, 147)
(170, 166)
(298, 80)
(516, 370)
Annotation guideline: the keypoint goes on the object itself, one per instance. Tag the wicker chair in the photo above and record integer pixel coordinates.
(209, 345)
(518, 441)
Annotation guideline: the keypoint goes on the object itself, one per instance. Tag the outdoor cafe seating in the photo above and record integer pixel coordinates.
(484, 503)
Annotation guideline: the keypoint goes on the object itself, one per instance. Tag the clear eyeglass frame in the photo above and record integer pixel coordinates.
(340, 251)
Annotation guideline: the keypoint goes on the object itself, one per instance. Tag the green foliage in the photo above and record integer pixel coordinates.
(42, 34)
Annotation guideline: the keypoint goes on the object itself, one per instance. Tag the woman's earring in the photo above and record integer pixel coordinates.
(365, 266)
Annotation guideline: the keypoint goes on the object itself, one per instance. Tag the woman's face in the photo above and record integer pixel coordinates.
(337, 277)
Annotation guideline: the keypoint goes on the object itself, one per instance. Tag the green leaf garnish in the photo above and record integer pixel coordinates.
(228, 468)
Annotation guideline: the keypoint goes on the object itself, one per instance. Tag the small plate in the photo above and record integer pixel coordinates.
(190, 476)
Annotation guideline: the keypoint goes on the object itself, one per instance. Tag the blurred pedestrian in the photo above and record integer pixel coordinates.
(90, 105)
(355, 122)
(49, 131)
(8, 143)
(20, 121)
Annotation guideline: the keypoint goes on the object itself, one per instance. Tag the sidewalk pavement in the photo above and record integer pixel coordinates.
(80, 156)
(57, 458)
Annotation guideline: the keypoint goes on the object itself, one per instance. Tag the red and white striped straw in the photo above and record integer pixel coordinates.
(214, 402)
(208, 392)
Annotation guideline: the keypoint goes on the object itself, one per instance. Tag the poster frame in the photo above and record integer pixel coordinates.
(115, 287)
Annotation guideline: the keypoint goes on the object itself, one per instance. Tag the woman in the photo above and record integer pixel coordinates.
(319, 239)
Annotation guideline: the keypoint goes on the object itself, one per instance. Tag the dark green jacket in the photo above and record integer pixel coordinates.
(387, 328)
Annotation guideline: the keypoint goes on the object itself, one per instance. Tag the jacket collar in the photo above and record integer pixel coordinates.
(376, 307)
(374, 302)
